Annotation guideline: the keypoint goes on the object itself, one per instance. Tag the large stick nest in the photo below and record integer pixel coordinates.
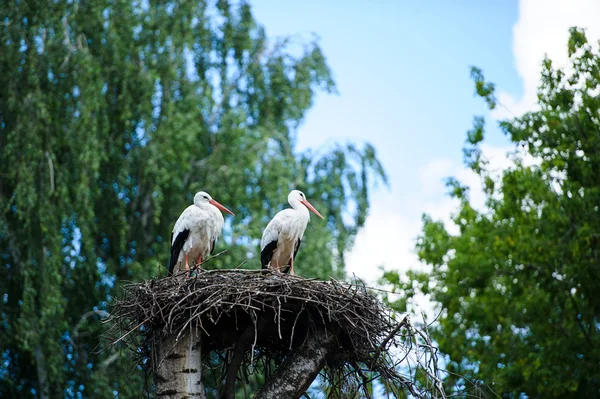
(282, 310)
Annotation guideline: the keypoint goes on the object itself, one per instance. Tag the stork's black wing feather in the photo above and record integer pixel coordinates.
(267, 253)
(176, 247)
(297, 246)
(212, 246)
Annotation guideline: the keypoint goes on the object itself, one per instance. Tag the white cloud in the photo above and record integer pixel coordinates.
(389, 236)
(431, 174)
(542, 28)
(386, 240)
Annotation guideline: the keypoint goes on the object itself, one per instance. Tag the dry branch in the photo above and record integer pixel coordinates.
(252, 319)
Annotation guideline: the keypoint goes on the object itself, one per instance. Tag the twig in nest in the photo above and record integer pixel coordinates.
(225, 303)
(387, 339)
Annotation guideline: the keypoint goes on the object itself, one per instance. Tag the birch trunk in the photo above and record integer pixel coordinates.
(43, 387)
(179, 374)
(298, 371)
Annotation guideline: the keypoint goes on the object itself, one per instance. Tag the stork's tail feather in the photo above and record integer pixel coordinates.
(176, 248)
(267, 253)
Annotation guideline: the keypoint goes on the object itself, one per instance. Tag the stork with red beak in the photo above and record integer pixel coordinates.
(196, 232)
(283, 235)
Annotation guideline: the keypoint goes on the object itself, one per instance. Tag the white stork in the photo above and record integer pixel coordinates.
(196, 231)
(281, 239)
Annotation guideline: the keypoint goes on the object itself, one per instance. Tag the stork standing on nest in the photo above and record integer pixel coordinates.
(196, 232)
(283, 235)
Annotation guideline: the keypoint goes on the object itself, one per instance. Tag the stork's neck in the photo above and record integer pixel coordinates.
(300, 208)
(205, 206)
(202, 205)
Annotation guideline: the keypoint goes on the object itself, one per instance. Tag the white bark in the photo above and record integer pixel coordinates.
(42, 373)
(179, 374)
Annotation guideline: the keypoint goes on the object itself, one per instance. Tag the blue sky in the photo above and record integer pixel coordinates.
(402, 71)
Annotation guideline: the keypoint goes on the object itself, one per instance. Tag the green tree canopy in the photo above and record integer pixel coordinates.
(112, 115)
(518, 285)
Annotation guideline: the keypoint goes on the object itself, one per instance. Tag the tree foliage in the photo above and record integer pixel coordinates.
(518, 284)
(112, 115)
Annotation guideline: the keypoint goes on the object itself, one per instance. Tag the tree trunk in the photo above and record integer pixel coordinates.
(241, 347)
(43, 387)
(298, 371)
(179, 374)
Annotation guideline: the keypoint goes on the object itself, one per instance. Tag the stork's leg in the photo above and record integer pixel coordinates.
(199, 262)
(276, 267)
(292, 265)
(187, 266)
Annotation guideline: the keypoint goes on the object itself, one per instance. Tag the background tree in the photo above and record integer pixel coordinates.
(518, 284)
(112, 115)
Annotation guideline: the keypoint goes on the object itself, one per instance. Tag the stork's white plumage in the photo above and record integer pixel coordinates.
(196, 232)
(281, 239)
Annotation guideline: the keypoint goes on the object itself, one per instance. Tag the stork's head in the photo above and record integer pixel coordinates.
(297, 196)
(202, 199)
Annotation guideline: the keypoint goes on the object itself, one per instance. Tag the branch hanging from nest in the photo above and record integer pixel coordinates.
(256, 317)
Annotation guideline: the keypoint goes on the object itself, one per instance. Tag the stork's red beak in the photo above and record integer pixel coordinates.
(221, 207)
(311, 208)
